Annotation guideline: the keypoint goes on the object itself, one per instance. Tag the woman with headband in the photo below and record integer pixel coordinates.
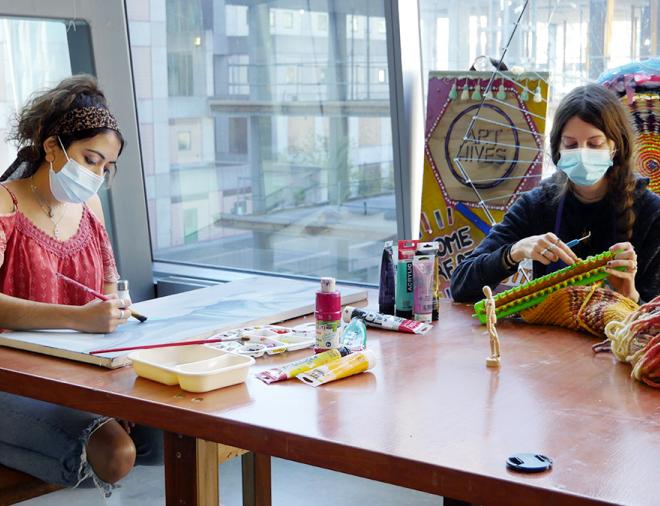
(51, 221)
(594, 192)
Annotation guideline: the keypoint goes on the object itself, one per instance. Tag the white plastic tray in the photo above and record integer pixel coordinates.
(195, 368)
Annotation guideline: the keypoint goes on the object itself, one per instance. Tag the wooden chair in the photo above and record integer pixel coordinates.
(16, 486)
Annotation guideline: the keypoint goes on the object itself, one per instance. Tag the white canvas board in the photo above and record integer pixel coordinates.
(185, 316)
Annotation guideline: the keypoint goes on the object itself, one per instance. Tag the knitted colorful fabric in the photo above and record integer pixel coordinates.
(636, 339)
(520, 298)
(588, 308)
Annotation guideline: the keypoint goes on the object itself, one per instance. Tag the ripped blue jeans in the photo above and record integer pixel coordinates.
(49, 441)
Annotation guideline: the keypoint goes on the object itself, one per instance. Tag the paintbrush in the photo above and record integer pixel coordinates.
(98, 295)
(164, 345)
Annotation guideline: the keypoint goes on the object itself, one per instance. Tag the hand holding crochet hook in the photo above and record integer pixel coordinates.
(544, 248)
(548, 248)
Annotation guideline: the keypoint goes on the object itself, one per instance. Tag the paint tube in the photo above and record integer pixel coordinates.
(385, 321)
(404, 279)
(355, 335)
(296, 367)
(423, 283)
(328, 316)
(432, 248)
(349, 365)
(387, 275)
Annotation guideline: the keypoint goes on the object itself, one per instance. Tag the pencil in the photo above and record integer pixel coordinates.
(161, 345)
(98, 295)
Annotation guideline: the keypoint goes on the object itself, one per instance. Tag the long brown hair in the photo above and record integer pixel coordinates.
(601, 108)
(40, 116)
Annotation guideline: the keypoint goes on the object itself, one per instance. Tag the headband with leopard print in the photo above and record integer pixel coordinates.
(85, 118)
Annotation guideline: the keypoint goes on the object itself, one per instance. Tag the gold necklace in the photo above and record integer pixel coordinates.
(48, 209)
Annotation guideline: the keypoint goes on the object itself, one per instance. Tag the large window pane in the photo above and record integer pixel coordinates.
(266, 134)
(575, 41)
(49, 62)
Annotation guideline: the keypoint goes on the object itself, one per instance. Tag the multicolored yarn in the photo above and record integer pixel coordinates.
(519, 298)
(635, 339)
(588, 308)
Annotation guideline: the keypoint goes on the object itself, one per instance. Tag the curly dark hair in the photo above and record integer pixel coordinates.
(41, 115)
(601, 108)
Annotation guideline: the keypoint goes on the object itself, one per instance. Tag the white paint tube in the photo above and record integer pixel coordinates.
(384, 321)
(423, 283)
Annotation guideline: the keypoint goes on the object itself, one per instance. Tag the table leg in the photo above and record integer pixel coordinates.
(207, 473)
(256, 479)
(191, 471)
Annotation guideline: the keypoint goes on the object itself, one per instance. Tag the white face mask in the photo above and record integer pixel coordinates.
(73, 183)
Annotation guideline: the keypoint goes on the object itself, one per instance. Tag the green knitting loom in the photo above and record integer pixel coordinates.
(514, 300)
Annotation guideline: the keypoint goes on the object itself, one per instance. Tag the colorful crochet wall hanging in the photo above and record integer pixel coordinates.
(638, 85)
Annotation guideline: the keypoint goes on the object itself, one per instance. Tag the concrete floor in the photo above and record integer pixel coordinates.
(293, 485)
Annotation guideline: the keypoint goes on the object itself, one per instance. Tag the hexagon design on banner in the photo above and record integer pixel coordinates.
(501, 151)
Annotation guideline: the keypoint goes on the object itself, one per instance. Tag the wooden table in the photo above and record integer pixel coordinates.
(430, 416)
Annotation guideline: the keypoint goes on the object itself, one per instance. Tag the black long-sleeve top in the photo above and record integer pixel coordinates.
(535, 213)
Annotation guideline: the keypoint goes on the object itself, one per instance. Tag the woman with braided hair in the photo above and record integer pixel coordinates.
(593, 191)
(51, 221)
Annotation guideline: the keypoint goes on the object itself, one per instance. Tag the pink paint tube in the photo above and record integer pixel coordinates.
(423, 283)
(384, 321)
(297, 367)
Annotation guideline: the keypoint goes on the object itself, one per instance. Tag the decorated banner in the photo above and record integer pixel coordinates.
(483, 148)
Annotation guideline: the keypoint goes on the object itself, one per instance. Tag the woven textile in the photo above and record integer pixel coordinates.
(588, 308)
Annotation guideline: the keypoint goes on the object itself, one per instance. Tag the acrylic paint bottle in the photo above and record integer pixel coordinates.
(328, 316)
(404, 295)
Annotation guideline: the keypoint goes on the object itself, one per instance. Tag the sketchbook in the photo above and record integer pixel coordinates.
(196, 314)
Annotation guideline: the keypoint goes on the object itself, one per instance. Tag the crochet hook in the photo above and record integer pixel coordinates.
(572, 243)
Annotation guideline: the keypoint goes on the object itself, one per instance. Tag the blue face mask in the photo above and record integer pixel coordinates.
(584, 166)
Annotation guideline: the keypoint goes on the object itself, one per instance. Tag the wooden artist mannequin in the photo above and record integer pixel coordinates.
(494, 359)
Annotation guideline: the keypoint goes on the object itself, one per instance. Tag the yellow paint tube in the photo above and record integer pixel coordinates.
(347, 366)
(292, 369)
